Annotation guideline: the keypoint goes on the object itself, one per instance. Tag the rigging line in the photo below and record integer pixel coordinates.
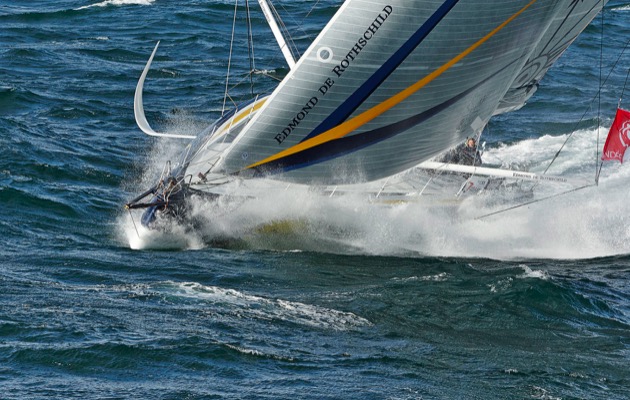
(303, 20)
(268, 75)
(287, 35)
(275, 56)
(599, 171)
(310, 11)
(227, 78)
(236, 85)
(134, 223)
(599, 105)
(624, 88)
(532, 202)
(590, 104)
(298, 25)
(291, 47)
(250, 48)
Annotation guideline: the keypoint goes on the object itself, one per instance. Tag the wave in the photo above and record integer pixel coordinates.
(233, 302)
(506, 283)
(530, 273)
(118, 3)
(441, 277)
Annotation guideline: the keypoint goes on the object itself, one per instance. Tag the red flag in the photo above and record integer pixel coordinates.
(618, 137)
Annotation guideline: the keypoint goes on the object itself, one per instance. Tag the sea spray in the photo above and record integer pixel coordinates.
(574, 225)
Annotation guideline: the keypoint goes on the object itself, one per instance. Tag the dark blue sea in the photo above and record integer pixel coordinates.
(353, 303)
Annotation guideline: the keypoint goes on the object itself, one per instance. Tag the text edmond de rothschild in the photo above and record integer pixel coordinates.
(338, 70)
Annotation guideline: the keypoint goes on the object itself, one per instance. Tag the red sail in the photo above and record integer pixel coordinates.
(618, 137)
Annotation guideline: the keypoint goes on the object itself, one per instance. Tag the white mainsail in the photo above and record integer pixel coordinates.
(389, 84)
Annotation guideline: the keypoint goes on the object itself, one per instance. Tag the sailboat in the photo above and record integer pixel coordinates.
(385, 87)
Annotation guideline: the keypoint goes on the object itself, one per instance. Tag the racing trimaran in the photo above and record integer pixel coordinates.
(385, 87)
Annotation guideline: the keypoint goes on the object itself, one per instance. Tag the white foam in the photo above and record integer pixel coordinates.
(584, 224)
(250, 352)
(542, 394)
(118, 3)
(441, 277)
(502, 285)
(530, 273)
(250, 306)
(171, 237)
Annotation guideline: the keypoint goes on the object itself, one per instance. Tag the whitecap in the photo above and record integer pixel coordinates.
(257, 353)
(249, 352)
(118, 3)
(501, 285)
(246, 305)
(441, 277)
(530, 273)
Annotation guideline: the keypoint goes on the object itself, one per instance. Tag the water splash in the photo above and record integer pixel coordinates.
(584, 224)
(172, 237)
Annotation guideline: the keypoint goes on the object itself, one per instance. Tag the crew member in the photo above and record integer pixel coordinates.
(464, 154)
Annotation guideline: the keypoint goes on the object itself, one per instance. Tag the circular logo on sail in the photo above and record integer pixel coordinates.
(624, 133)
(325, 54)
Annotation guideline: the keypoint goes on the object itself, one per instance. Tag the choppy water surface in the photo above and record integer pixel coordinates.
(352, 302)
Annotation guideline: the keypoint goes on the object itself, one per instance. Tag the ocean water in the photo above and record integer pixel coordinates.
(352, 302)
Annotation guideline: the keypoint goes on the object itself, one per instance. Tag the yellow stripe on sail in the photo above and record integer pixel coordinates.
(243, 114)
(345, 128)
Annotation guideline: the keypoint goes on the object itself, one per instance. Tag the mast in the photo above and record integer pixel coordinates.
(276, 33)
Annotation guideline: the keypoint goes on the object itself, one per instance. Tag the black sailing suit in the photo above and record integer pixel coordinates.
(464, 155)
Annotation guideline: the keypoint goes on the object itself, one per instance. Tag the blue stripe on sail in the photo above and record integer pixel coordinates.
(362, 93)
(349, 144)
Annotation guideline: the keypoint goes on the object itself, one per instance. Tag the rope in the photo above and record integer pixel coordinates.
(134, 223)
(532, 202)
(287, 35)
(599, 103)
(624, 88)
(250, 48)
(227, 78)
(310, 11)
(298, 25)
